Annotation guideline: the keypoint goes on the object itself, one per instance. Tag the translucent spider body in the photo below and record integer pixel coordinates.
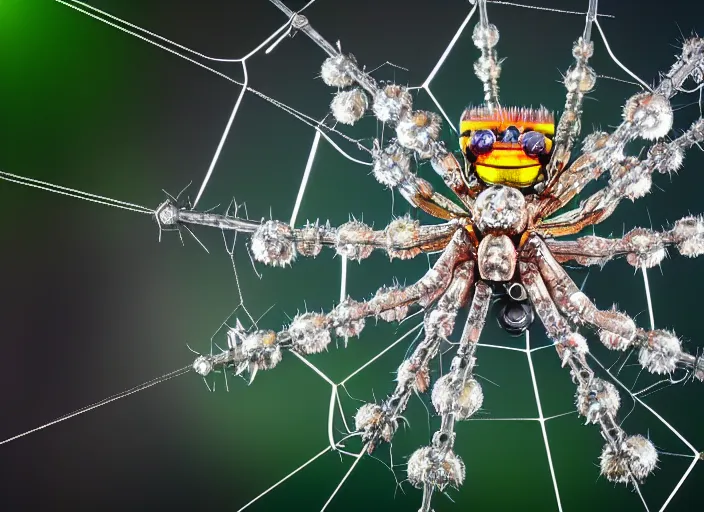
(497, 236)
(516, 176)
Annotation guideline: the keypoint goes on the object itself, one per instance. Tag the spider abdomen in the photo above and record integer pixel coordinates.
(497, 258)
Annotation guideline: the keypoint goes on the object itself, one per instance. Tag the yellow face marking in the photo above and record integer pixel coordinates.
(507, 163)
(517, 177)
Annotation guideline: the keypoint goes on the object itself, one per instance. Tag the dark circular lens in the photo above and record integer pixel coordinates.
(533, 143)
(511, 134)
(516, 317)
(482, 142)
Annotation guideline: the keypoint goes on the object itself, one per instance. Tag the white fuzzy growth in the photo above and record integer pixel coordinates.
(272, 244)
(487, 68)
(485, 36)
(647, 248)
(644, 456)
(598, 398)
(639, 186)
(573, 344)
(689, 233)
(418, 131)
(367, 416)
(391, 165)
(650, 113)
(406, 373)
(348, 107)
(391, 103)
(402, 232)
(351, 238)
(432, 466)
(662, 353)
(581, 78)
(669, 157)
(335, 71)
(262, 349)
(462, 399)
(346, 320)
(636, 458)
(310, 333)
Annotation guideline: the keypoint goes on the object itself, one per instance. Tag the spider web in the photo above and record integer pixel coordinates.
(524, 385)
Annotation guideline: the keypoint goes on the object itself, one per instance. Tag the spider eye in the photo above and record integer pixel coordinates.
(533, 143)
(482, 142)
(511, 134)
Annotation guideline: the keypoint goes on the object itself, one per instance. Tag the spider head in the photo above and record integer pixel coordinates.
(507, 146)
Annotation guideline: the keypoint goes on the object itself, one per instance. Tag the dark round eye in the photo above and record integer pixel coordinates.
(533, 143)
(482, 142)
(511, 134)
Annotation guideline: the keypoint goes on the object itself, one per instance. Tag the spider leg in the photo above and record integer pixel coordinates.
(309, 333)
(456, 396)
(660, 351)
(392, 167)
(624, 458)
(642, 247)
(631, 179)
(277, 243)
(647, 115)
(488, 66)
(579, 80)
(417, 131)
(378, 422)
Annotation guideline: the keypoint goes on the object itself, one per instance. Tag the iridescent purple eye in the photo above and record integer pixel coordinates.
(482, 142)
(533, 143)
(511, 134)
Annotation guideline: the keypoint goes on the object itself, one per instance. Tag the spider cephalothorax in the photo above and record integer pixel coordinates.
(498, 236)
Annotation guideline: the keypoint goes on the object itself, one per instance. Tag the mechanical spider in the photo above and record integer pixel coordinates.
(516, 178)
(249, 348)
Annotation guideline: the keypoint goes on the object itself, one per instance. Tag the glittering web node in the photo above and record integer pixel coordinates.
(323, 133)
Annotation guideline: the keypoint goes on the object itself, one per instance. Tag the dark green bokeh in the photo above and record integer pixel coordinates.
(93, 304)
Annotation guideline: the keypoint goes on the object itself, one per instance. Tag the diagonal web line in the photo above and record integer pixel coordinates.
(105, 401)
(258, 48)
(441, 61)
(304, 180)
(648, 297)
(447, 51)
(672, 429)
(299, 468)
(70, 192)
(541, 419)
(223, 138)
(139, 36)
(344, 478)
(314, 123)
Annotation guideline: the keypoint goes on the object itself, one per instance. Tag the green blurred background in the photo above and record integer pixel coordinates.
(93, 304)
